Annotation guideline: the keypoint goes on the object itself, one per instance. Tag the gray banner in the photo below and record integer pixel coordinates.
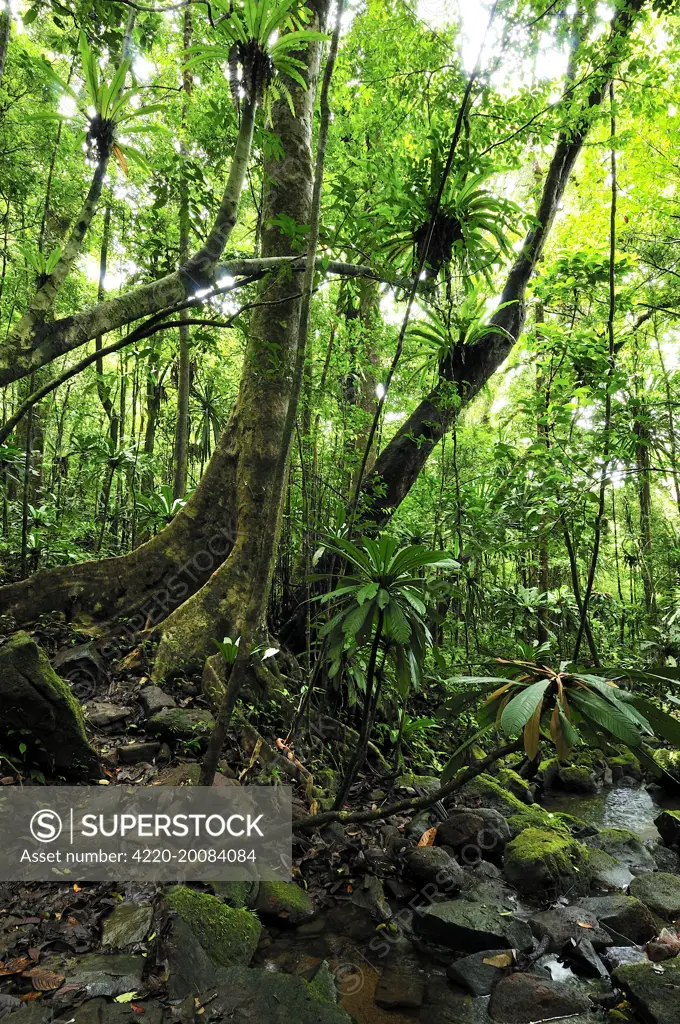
(151, 833)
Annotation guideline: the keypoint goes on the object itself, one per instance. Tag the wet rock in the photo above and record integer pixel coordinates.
(459, 924)
(545, 861)
(666, 947)
(126, 925)
(577, 779)
(607, 872)
(181, 723)
(238, 894)
(153, 700)
(581, 954)
(418, 824)
(563, 924)
(246, 995)
(482, 829)
(668, 824)
(104, 715)
(33, 697)
(323, 983)
(99, 1011)
(625, 915)
(526, 998)
(625, 765)
(620, 956)
(105, 974)
(285, 901)
(665, 859)
(133, 753)
(625, 846)
(83, 667)
(9, 1003)
(515, 784)
(430, 865)
(660, 892)
(399, 989)
(653, 991)
(190, 969)
(370, 896)
(426, 783)
(475, 974)
(228, 935)
(485, 791)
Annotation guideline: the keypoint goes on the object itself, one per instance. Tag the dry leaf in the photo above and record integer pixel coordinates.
(499, 960)
(28, 997)
(44, 981)
(76, 887)
(15, 966)
(428, 837)
(136, 1008)
(582, 924)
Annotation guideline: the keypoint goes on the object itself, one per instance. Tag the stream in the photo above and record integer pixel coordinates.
(620, 807)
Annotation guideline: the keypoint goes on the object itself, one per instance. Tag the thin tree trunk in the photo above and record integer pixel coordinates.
(4, 36)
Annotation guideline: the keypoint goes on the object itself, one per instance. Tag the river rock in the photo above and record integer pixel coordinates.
(576, 778)
(99, 1011)
(370, 896)
(660, 892)
(284, 901)
(459, 924)
(153, 700)
(477, 976)
(653, 991)
(399, 988)
(430, 865)
(228, 935)
(525, 998)
(665, 859)
(126, 925)
(625, 846)
(607, 872)
(626, 915)
(189, 967)
(668, 824)
(581, 954)
(181, 723)
(545, 861)
(133, 753)
(35, 699)
(482, 829)
(246, 995)
(515, 784)
(485, 791)
(562, 924)
(620, 956)
(105, 974)
(102, 714)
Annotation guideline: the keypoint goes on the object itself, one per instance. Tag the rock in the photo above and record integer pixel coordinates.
(190, 969)
(625, 765)
(577, 779)
(83, 667)
(581, 954)
(370, 896)
(323, 983)
(484, 791)
(153, 700)
(9, 1003)
(34, 698)
(562, 924)
(126, 925)
(526, 998)
(228, 935)
(483, 830)
(133, 753)
(246, 996)
(104, 715)
(514, 783)
(619, 956)
(284, 901)
(665, 859)
(668, 824)
(418, 824)
(548, 862)
(238, 894)
(660, 892)
(99, 1011)
(654, 992)
(459, 924)
(426, 783)
(625, 846)
(434, 866)
(399, 989)
(181, 723)
(626, 915)
(607, 872)
(662, 949)
(105, 974)
(478, 977)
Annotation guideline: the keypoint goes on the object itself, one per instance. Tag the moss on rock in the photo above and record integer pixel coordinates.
(484, 791)
(284, 900)
(547, 860)
(228, 935)
(514, 784)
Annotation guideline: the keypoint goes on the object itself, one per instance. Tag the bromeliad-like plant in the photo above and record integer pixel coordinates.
(439, 333)
(568, 707)
(380, 603)
(259, 38)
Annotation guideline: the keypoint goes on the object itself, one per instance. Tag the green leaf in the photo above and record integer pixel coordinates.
(610, 717)
(457, 759)
(519, 710)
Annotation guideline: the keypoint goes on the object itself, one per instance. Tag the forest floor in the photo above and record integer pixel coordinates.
(489, 909)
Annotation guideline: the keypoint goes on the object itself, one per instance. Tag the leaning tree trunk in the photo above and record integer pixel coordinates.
(260, 424)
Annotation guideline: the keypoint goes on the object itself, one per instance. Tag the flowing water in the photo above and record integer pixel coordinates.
(619, 807)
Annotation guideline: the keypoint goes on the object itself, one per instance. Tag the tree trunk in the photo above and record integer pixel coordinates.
(642, 465)
(4, 37)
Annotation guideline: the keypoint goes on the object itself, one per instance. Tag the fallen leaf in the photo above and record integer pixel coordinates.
(499, 960)
(428, 837)
(126, 997)
(15, 966)
(28, 997)
(44, 981)
(583, 924)
(76, 887)
(136, 1008)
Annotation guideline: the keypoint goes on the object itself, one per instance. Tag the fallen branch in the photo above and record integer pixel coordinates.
(409, 803)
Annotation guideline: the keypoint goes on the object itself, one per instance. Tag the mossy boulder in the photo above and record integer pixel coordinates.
(237, 894)
(660, 892)
(625, 846)
(472, 926)
(537, 817)
(606, 872)
(514, 783)
(654, 994)
(428, 783)
(36, 701)
(181, 724)
(577, 778)
(271, 997)
(285, 901)
(668, 824)
(228, 935)
(547, 861)
(624, 764)
(485, 791)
